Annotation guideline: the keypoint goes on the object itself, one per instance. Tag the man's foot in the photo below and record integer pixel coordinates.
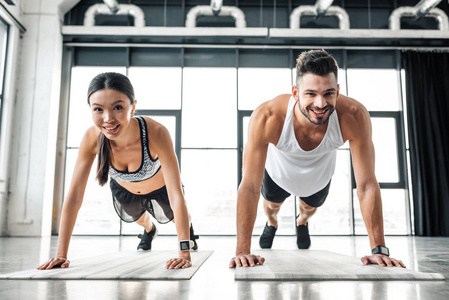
(266, 239)
(146, 238)
(193, 238)
(302, 236)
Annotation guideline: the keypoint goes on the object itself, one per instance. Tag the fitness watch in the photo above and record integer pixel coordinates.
(381, 250)
(185, 245)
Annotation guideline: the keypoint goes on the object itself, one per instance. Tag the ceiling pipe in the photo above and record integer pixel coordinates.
(124, 9)
(424, 7)
(112, 5)
(216, 5)
(322, 6)
(309, 10)
(225, 11)
(409, 11)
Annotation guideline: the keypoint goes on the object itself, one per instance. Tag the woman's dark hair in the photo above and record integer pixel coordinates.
(120, 83)
(317, 62)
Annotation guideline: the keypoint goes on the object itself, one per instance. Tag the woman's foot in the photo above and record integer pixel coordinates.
(146, 238)
(193, 238)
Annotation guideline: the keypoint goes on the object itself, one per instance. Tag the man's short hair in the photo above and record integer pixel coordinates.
(317, 62)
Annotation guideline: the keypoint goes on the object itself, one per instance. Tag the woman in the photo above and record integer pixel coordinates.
(143, 182)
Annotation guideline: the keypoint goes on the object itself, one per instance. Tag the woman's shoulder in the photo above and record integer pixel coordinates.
(153, 126)
(90, 139)
(156, 131)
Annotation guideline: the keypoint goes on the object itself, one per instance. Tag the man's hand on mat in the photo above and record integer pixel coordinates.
(55, 262)
(382, 260)
(178, 263)
(245, 260)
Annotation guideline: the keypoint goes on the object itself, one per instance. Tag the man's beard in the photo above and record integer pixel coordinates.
(320, 120)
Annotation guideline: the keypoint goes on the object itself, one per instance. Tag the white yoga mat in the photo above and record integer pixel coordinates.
(323, 265)
(129, 265)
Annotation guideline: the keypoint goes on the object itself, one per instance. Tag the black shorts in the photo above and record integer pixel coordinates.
(130, 207)
(274, 193)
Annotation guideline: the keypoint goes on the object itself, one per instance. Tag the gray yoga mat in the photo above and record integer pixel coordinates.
(129, 265)
(323, 265)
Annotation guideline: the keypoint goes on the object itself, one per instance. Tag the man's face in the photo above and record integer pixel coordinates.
(317, 97)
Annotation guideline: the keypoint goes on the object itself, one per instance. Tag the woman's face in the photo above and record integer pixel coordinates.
(111, 111)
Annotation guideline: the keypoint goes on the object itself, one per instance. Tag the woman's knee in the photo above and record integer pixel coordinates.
(144, 218)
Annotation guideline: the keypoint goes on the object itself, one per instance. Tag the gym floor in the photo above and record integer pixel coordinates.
(214, 280)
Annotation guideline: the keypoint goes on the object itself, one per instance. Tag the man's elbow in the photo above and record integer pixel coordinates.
(247, 191)
(368, 188)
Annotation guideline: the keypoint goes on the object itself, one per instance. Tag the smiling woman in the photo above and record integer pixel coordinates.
(111, 97)
(139, 190)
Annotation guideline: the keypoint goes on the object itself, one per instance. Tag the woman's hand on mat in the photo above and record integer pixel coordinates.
(382, 260)
(55, 262)
(245, 260)
(178, 263)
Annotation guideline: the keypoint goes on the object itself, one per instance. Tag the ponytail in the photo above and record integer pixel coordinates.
(104, 149)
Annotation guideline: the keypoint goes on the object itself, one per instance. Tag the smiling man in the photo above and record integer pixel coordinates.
(291, 149)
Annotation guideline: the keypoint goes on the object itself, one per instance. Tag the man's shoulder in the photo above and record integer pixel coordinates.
(268, 118)
(353, 116)
(274, 109)
(350, 109)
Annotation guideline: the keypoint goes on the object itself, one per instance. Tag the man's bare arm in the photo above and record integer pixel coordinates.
(368, 190)
(254, 158)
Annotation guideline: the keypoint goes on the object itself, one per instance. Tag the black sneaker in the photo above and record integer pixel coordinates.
(302, 236)
(193, 238)
(146, 238)
(266, 239)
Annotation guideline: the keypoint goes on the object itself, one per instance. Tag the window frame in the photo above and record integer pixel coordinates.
(3, 54)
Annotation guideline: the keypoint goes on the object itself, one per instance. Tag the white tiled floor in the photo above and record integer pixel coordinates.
(214, 280)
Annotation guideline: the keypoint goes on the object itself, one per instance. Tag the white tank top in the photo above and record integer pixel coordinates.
(303, 173)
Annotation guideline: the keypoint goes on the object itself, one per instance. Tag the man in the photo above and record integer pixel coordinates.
(291, 149)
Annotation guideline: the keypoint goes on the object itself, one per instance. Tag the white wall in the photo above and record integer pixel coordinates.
(33, 128)
(8, 106)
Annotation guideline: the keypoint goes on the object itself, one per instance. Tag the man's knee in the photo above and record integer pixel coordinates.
(273, 205)
(307, 207)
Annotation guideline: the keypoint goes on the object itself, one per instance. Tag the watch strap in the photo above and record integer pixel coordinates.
(381, 250)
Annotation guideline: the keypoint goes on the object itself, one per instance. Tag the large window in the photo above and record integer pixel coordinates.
(209, 147)
(205, 99)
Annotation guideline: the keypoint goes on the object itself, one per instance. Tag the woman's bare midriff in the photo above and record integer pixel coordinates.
(146, 186)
